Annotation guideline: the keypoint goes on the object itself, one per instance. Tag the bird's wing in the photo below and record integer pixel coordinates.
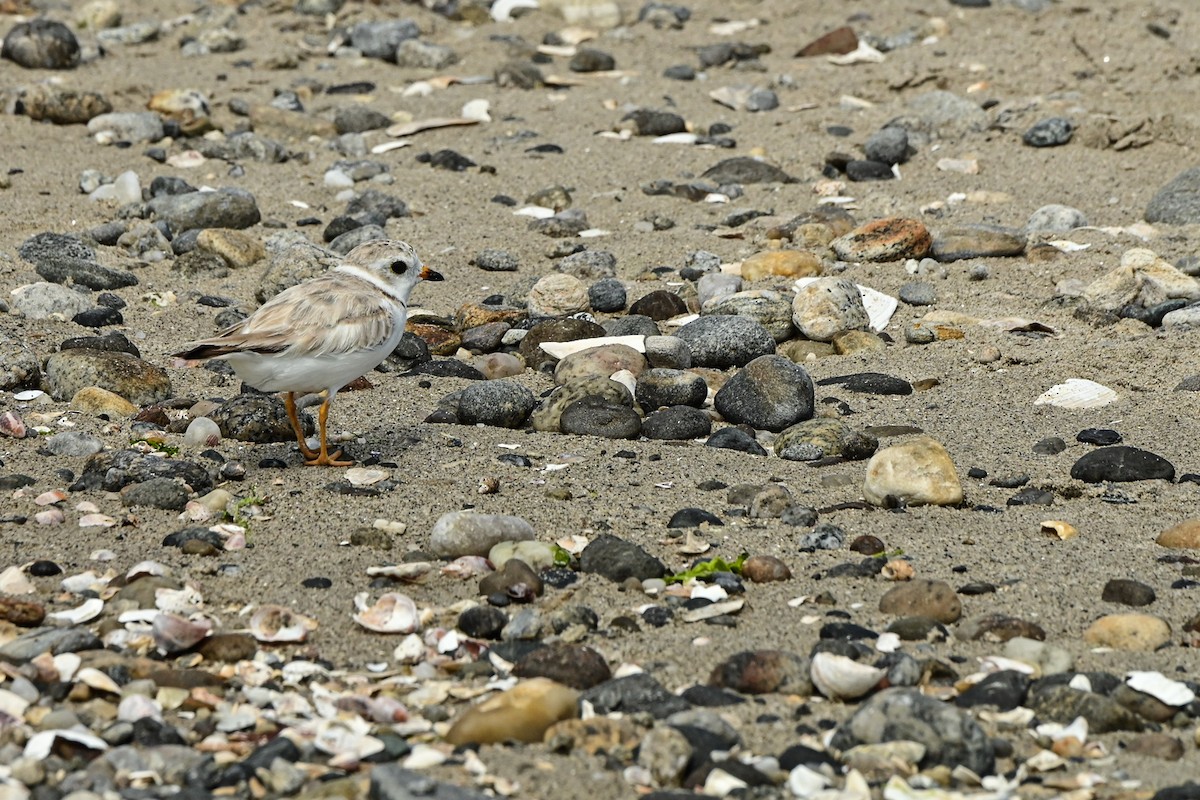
(330, 315)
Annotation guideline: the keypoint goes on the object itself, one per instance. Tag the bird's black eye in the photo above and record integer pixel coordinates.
(399, 267)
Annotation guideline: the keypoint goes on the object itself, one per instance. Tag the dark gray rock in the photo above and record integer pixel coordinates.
(1054, 218)
(640, 692)
(588, 265)
(661, 387)
(359, 118)
(569, 222)
(418, 54)
(588, 59)
(618, 559)
(595, 416)
(112, 471)
(1177, 203)
(744, 169)
(351, 239)
(918, 293)
(55, 641)
(607, 295)
(49, 246)
(500, 404)
(491, 260)
(20, 368)
(736, 439)
(1057, 702)
(394, 782)
(866, 170)
(1127, 592)
(648, 122)
(950, 736)
(771, 392)
(73, 443)
(677, 422)
(84, 273)
(41, 44)
(377, 204)
(632, 325)
(379, 39)
(719, 341)
(887, 145)
(870, 383)
(163, 493)
(257, 418)
(1121, 463)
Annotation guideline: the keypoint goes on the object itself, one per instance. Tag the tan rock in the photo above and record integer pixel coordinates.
(557, 295)
(96, 401)
(917, 472)
(1140, 632)
(828, 306)
(600, 362)
(923, 598)
(785, 263)
(524, 713)
(1184, 536)
(235, 248)
(275, 123)
(1142, 279)
(848, 342)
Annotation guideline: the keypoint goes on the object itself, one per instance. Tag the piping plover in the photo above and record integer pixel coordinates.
(322, 334)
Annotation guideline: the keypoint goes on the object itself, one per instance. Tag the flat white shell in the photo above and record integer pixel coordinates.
(563, 349)
(392, 613)
(879, 306)
(1077, 393)
(502, 9)
(683, 137)
(89, 610)
(1160, 687)
(39, 745)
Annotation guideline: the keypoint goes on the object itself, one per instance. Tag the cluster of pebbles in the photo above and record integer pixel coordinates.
(834, 665)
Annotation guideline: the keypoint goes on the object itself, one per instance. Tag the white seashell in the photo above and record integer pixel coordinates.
(733, 27)
(966, 166)
(1077, 393)
(424, 756)
(841, 678)
(449, 643)
(863, 54)
(188, 159)
(50, 497)
(713, 610)
(1080, 683)
(561, 350)
(626, 379)
(537, 212)
(593, 233)
(202, 432)
(12, 425)
(27, 395)
(477, 109)
(89, 610)
(90, 676)
(716, 197)
(709, 591)
(82, 582)
(137, 706)
(342, 742)
(720, 783)
(143, 569)
(12, 704)
(1045, 761)
(187, 600)
(502, 9)
(96, 521)
(879, 306)
(175, 634)
(676, 138)
(280, 624)
(51, 516)
(734, 97)
(40, 744)
(888, 642)
(411, 650)
(385, 147)
(392, 613)
(67, 665)
(1067, 246)
(1161, 688)
(803, 781)
(14, 581)
(365, 476)
(465, 567)
(573, 544)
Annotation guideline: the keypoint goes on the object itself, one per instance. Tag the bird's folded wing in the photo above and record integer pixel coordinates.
(322, 317)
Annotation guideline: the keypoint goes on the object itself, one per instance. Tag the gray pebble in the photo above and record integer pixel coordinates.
(1050, 132)
(128, 126)
(1055, 218)
(677, 423)
(491, 260)
(500, 403)
(1177, 203)
(45, 300)
(471, 533)
(979, 272)
(762, 100)
(587, 59)
(593, 416)
(825, 536)
(20, 367)
(42, 44)
(631, 325)
(680, 72)
(588, 265)
(566, 223)
(607, 295)
(163, 493)
(359, 118)
(257, 418)
(668, 352)
(351, 239)
(717, 284)
(658, 387)
(726, 341)
(888, 146)
(649, 122)
(380, 39)
(417, 54)
(224, 208)
(138, 381)
(73, 443)
(918, 293)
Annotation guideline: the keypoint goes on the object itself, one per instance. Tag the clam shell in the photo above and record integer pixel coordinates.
(392, 613)
(1077, 393)
(1161, 688)
(465, 567)
(40, 744)
(280, 624)
(175, 634)
(87, 611)
(841, 678)
(50, 516)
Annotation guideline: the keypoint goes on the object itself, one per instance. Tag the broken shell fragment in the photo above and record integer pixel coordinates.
(279, 624)
(1077, 393)
(12, 425)
(175, 634)
(1056, 527)
(898, 570)
(465, 567)
(88, 611)
(841, 678)
(392, 613)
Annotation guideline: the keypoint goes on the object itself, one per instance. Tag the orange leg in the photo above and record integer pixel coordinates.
(323, 459)
(289, 400)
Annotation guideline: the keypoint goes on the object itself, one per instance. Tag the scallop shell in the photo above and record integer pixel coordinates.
(841, 678)
(1161, 688)
(280, 624)
(392, 613)
(1077, 393)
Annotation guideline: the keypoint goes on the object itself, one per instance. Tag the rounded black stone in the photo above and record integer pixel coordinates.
(1121, 463)
(1100, 436)
(316, 583)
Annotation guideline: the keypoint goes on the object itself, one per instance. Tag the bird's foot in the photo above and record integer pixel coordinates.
(324, 459)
